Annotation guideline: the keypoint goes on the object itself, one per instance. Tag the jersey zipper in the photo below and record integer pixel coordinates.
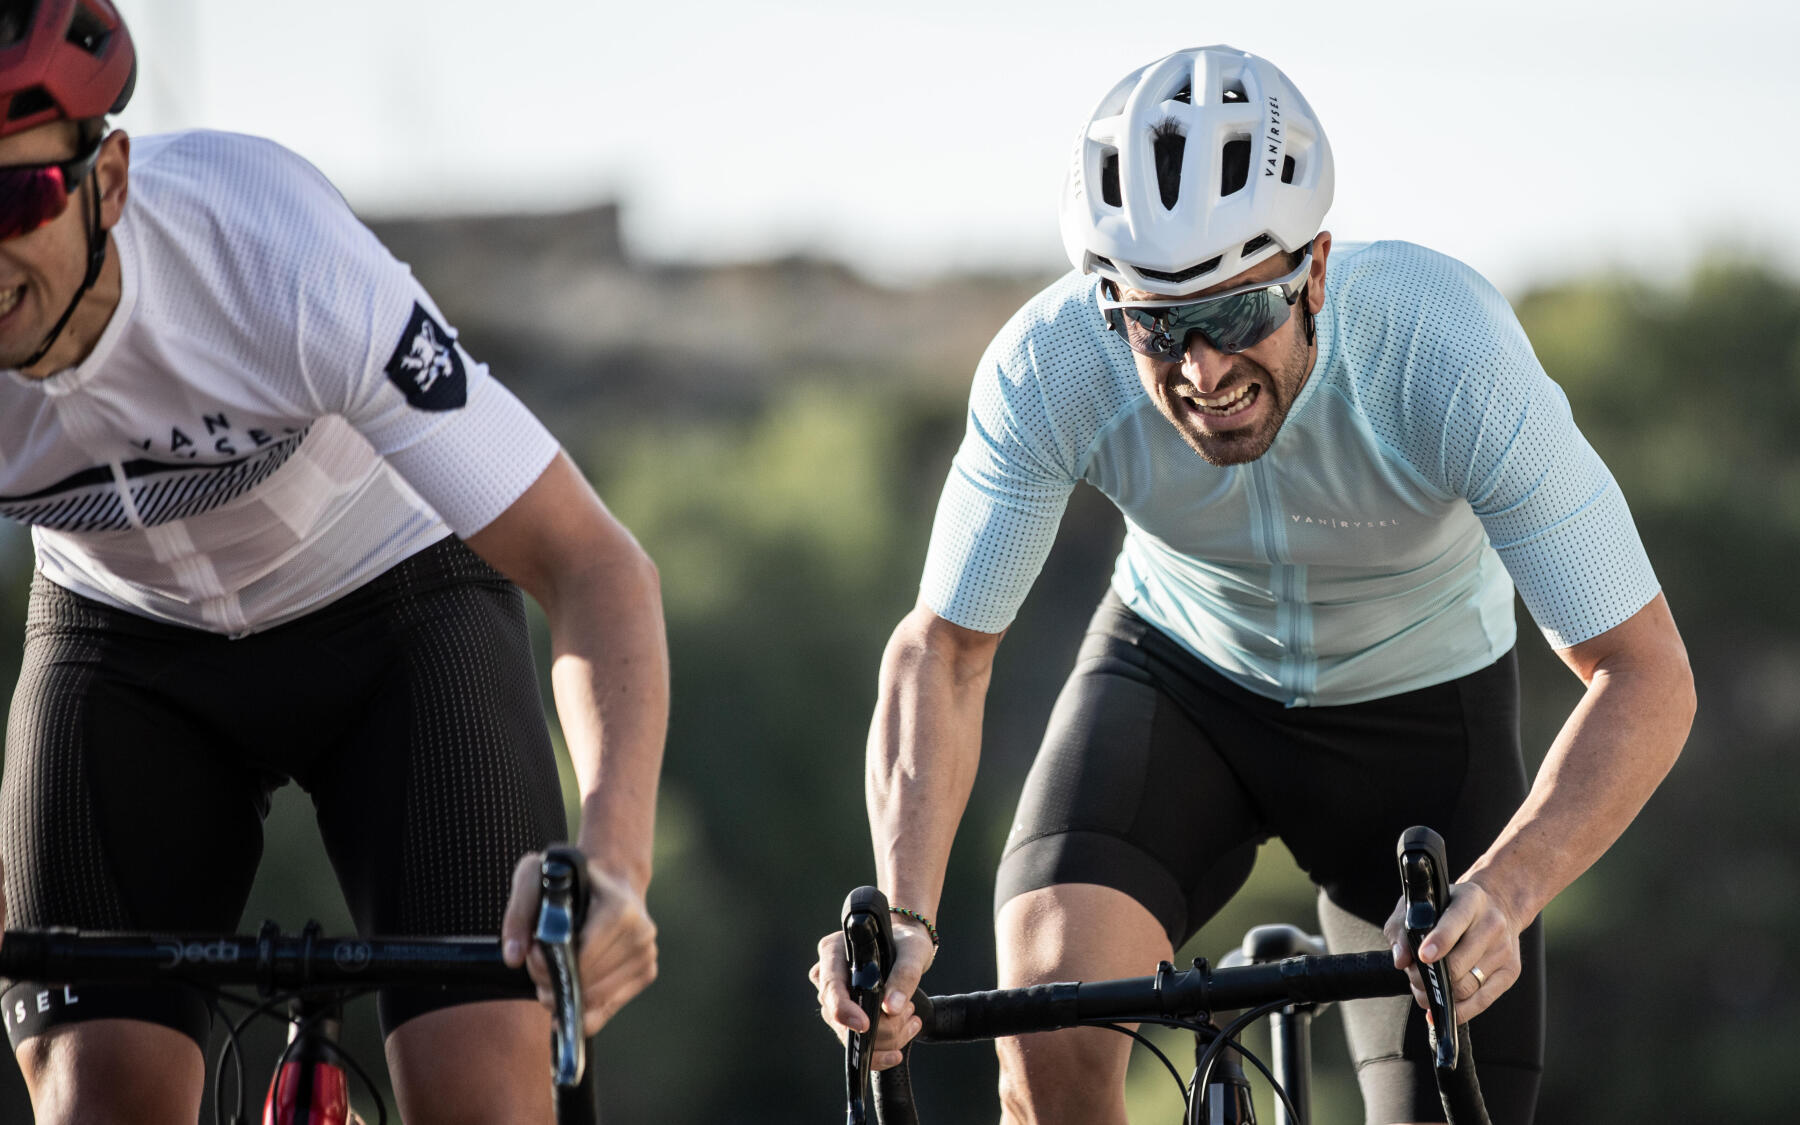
(1287, 581)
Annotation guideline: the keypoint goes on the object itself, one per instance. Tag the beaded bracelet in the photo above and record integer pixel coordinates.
(930, 929)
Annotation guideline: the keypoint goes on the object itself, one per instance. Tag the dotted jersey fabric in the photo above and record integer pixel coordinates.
(233, 452)
(1427, 466)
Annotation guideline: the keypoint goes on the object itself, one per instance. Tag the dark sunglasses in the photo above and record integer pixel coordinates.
(32, 195)
(1231, 321)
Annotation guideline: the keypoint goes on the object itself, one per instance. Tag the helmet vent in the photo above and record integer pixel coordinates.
(1185, 95)
(1254, 245)
(1169, 145)
(15, 20)
(1234, 166)
(29, 103)
(1287, 169)
(1188, 274)
(88, 31)
(1233, 92)
(1109, 180)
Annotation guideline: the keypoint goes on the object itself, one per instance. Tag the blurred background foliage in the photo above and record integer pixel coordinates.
(776, 435)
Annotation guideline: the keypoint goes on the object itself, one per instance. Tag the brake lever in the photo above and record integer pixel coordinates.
(869, 955)
(562, 908)
(1427, 889)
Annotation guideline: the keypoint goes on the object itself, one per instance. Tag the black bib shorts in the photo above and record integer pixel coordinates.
(1159, 777)
(141, 757)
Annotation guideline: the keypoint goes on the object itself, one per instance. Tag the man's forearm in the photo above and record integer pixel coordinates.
(924, 747)
(1616, 747)
(610, 675)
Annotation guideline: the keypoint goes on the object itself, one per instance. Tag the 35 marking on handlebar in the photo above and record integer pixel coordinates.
(351, 956)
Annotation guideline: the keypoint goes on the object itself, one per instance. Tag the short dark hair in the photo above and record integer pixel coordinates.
(1169, 144)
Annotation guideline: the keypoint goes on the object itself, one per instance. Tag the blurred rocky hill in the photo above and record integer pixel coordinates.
(559, 309)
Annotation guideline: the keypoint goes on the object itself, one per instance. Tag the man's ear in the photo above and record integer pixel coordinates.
(1315, 292)
(112, 172)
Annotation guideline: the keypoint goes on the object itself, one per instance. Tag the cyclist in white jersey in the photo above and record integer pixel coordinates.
(1335, 463)
(251, 450)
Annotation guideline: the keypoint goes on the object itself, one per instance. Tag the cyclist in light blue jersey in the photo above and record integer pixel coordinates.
(1335, 462)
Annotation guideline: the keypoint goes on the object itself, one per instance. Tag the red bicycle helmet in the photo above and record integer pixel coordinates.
(62, 60)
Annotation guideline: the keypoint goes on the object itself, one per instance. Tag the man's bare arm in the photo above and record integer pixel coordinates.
(610, 675)
(1616, 747)
(924, 746)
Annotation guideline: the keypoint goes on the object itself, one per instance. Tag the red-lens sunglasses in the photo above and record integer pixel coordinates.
(32, 195)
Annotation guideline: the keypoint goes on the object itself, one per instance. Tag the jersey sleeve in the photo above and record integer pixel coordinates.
(1005, 495)
(1482, 420)
(369, 344)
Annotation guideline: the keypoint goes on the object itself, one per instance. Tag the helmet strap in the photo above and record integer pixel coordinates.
(1306, 317)
(96, 258)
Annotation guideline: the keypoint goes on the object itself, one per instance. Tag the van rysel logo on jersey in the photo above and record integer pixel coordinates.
(426, 366)
(95, 499)
(1339, 522)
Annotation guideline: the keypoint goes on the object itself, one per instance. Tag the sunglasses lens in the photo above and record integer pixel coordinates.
(29, 198)
(1246, 320)
(1230, 324)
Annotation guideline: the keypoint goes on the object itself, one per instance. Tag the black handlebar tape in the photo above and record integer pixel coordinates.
(1010, 1011)
(579, 889)
(1303, 980)
(579, 1104)
(1459, 1089)
(894, 1092)
(1425, 882)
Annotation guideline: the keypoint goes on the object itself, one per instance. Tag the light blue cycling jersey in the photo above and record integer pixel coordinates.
(1367, 553)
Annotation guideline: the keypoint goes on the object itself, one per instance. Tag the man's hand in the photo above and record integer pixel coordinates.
(913, 953)
(1475, 934)
(616, 952)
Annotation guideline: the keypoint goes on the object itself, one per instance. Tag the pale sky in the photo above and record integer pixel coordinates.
(1533, 139)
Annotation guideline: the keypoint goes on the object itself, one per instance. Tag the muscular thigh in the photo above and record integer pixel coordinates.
(482, 1063)
(1071, 931)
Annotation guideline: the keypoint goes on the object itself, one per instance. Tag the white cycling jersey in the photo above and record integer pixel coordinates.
(276, 413)
(1367, 553)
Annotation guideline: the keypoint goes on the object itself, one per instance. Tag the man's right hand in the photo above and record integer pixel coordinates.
(913, 953)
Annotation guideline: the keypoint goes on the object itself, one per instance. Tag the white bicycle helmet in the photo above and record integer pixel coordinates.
(1193, 169)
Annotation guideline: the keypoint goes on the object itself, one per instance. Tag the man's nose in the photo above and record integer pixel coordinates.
(1204, 365)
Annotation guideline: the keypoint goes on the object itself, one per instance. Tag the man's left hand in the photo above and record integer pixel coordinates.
(617, 947)
(1475, 934)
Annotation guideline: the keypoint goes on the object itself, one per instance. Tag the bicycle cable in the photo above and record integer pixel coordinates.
(230, 1050)
(1217, 1040)
(1144, 1041)
(234, 1048)
(1222, 1038)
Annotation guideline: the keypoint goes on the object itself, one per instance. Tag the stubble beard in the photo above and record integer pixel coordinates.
(1238, 447)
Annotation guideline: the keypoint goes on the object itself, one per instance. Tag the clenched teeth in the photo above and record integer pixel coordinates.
(1225, 405)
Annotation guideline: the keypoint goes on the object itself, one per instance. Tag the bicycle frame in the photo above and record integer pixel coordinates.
(309, 1086)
